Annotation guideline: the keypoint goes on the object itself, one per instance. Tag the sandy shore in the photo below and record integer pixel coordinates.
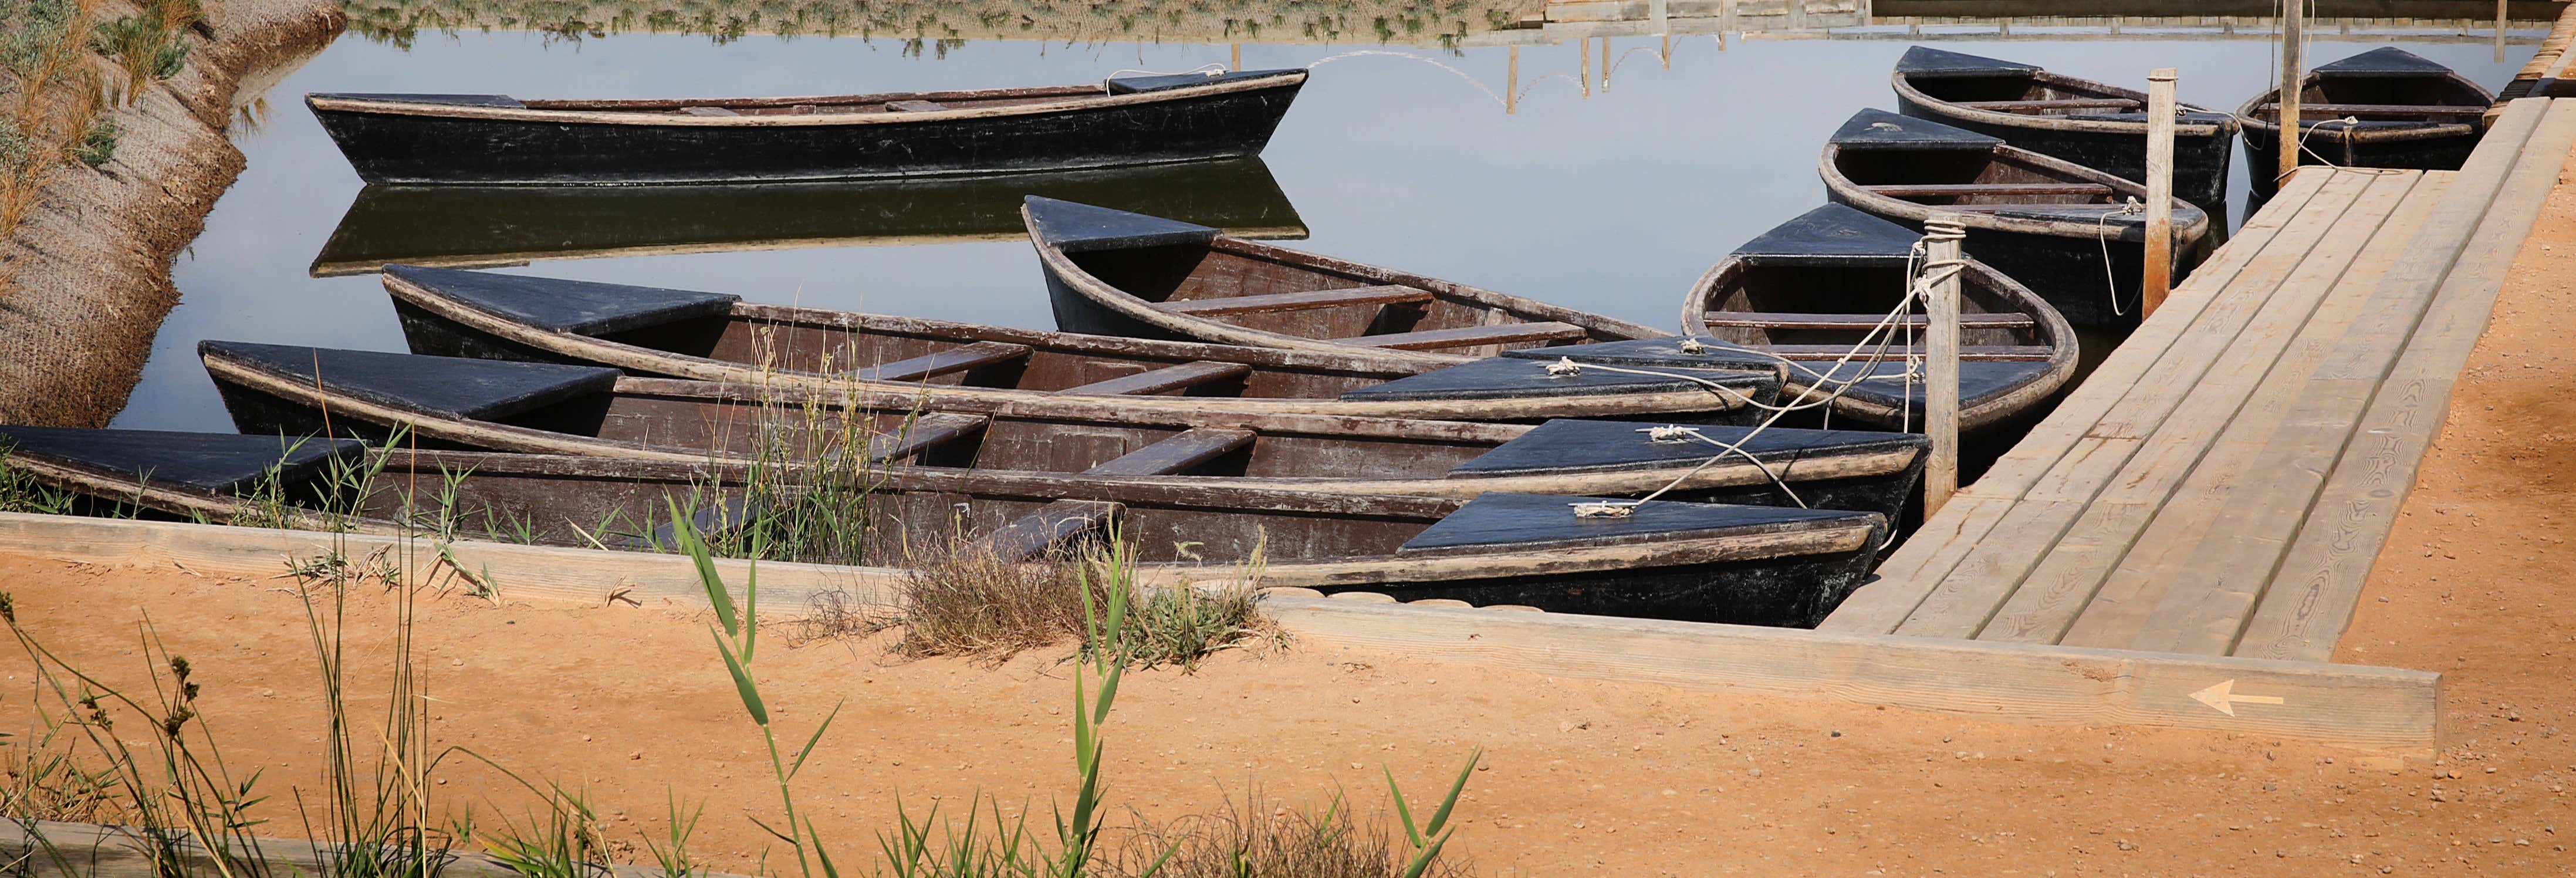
(92, 261)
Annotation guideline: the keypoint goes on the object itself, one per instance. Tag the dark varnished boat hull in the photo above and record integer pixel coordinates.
(404, 148)
(2200, 163)
(1780, 593)
(468, 226)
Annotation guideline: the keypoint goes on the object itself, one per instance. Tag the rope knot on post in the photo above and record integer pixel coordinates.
(1564, 367)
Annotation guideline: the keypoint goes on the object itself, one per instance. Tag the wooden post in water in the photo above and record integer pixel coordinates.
(2160, 150)
(1941, 235)
(1512, 85)
(2499, 40)
(2293, 75)
(1236, 62)
(1583, 74)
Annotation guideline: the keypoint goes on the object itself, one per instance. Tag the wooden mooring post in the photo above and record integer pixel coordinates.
(2293, 76)
(2160, 150)
(1941, 236)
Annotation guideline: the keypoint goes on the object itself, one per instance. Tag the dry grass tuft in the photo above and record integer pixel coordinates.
(1280, 842)
(965, 601)
(50, 114)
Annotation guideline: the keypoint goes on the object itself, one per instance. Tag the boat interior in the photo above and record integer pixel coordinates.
(2032, 93)
(1834, 306)
(2381, 99)
(1233, 284)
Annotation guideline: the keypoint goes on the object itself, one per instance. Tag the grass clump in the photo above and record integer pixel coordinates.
(53, 97)
(968, 601)
(1244, 840)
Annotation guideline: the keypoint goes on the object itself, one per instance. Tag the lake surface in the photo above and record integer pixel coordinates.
(1612, 198)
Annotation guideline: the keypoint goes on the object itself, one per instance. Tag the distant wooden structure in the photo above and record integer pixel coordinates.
(2222, 483)
(2539, 78)
(1936, 20)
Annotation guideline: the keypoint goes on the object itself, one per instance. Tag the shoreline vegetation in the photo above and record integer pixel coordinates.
(944, 24)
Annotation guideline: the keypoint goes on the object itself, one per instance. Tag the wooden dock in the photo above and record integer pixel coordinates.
(2221, 485)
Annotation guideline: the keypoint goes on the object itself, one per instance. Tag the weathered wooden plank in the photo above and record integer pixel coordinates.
(2069, 578)
(2228, 522)
(1972, 353)
(953, 360)
(517, 573)
(2351, 705)
(1297, 301)
(925, 431)
(2323, 110)
(1031, 536)
(1972, 593)
(1180, 451)
(1932, 190)
(1910, 574)
(2319, 581)
(1163, 380)
(1469, 336)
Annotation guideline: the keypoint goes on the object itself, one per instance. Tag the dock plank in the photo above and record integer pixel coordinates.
(1972, 593)
(2330, 560)
(1908, 576)
(2070, 577)
(2229, 522)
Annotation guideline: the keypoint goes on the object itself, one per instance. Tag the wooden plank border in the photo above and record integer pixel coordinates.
(2376, 708)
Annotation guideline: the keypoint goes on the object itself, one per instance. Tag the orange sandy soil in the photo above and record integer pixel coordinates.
(1579, 775)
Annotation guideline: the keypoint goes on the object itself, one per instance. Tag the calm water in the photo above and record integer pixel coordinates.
(1612, 202)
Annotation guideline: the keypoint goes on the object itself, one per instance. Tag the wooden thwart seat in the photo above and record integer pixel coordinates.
(1297, 301)
(1940, 189)
(1774, 320)
(914, 107)
(1163, 380)
(2317, 112)
(2059, 104)
(1032, 535)
(1979, 353)
(707, 111)
(924, 432)
(1468, 336)
(959, 359)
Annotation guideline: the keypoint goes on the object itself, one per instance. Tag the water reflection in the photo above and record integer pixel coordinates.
(477, 227)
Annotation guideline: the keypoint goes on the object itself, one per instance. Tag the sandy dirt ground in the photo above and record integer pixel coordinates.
(1579, 776)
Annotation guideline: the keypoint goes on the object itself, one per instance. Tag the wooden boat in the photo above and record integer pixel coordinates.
(1119, 273)
(2097, 125)
(1823, 280)
(1692, 561)
(1135, 120)
(2384, 108)
(590, 411)
(483, 226)
(2045, 222)
(718, 337)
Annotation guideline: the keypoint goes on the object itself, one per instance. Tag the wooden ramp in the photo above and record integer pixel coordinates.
(2221, 485)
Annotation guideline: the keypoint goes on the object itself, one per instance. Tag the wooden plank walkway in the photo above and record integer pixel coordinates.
(2222, 483)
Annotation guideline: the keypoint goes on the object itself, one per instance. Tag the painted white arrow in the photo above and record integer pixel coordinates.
(2223, 696)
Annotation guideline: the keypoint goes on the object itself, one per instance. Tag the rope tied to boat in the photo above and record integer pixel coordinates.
(2102, 236)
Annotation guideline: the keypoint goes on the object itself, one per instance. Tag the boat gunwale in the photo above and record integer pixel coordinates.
(1839, 184)
(2249, 120)
(1727, 471)
(395, 107)
(625, 355)
(1908, 94)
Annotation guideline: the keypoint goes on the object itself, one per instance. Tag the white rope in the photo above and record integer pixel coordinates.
(2102, 236)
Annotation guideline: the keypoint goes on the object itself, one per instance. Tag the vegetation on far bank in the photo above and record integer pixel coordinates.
(943, 24)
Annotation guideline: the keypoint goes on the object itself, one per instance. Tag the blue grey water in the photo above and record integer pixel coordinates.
(1613, 201)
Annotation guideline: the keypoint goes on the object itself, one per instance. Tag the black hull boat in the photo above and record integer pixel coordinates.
(719, 337)
(496, 139)
(1830, 277)
(2384, 108)
(2097, 125)
(2066, 231)
(1674, 560)
(486, 226)
(589, 411)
